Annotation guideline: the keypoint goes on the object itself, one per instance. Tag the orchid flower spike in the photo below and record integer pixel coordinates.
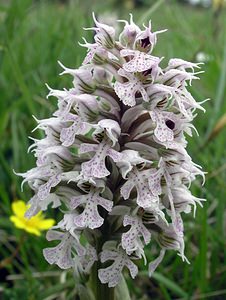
(114, 158)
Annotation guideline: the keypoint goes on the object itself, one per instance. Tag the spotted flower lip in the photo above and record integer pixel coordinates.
(140, 62)
(114, 158)
(90, 216)
(61, 254)
(131, 238)
(127, 91)
(112, 274)
(67, 135)
(96, 166)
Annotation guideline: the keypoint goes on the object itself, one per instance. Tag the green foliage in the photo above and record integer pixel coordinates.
(33, 36)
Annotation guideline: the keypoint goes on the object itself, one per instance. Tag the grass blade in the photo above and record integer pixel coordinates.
(167, 283)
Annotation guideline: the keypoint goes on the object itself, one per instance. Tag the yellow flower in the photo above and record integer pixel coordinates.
(34, 225)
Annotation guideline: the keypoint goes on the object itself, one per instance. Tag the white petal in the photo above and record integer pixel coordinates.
(132, 268)
(127, 188)
(116, 156)
(44, 189)
(95, 168)
(90, 216)
(84, 148)
(162, 132)
(140, 62)
(154, 264)
(154, 181)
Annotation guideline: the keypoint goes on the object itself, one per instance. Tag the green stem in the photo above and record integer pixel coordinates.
(104, 292)
(100, 291)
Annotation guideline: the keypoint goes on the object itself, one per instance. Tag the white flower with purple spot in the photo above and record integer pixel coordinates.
(131, 238)
(67, 135)
(90, 216)
(128, 90)
(112, 274)
(96, 166)
(61, 254)
(140, 62)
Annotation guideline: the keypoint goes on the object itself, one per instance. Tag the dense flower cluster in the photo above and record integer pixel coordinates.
(114, 155)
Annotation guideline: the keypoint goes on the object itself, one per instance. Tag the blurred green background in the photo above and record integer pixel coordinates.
(33, 36)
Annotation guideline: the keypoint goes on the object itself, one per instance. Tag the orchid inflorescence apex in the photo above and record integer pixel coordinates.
(114, 157)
